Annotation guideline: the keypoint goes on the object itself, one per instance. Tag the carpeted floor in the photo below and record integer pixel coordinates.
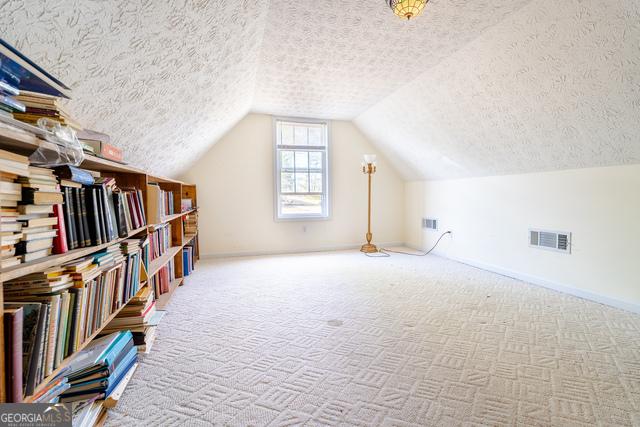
(342, 339)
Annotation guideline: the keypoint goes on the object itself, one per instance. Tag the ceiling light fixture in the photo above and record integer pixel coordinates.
(407, 8)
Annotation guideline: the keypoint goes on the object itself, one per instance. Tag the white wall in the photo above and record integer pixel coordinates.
(235, 192)
(490, 218)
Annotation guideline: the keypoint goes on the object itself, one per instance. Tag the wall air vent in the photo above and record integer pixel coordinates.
(559, 241)
(429, 223)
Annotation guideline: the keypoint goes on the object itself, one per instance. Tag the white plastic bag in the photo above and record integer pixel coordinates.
(61, 147)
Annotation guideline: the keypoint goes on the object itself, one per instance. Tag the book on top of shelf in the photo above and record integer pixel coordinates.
(75, 174)
(28, 75)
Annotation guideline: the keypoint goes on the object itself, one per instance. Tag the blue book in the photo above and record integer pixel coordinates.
(30, 76)
(106, 385)
(75, 174)
(185, 262)
(100, 354)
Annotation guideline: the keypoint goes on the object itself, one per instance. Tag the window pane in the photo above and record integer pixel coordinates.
(286, 159)
(315, 160)
(301, 135)
(302, 182)
(287, 135)
(315, 182)
(315, 136)
(287, 183)
(302, 160)
(301, 205)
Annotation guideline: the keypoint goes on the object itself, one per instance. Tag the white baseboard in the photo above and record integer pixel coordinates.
(535, 280)
(344, 247)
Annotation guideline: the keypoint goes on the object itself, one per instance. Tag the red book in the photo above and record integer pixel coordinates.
(13, 354)
(60, 241)
(133, 204)
(112, 153)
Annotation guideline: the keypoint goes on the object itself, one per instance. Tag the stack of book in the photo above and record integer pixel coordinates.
(9, 83)
(190, 223)
(135, 317)
(108, 257)
(12, 166)
(96, 371)
(159, 240)
(160, 203)
(99, 144)
(38, 105)
(39, 196)
(187, 259)
(52, 391)
(161, 281)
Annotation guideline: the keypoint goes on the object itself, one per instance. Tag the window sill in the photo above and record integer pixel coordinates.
(303, 218)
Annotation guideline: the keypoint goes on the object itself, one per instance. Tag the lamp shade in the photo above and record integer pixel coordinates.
(407, 8)
(369, 158)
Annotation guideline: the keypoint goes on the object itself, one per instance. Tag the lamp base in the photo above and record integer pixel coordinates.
(368, 248)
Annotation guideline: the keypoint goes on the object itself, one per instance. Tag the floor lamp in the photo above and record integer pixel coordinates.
(369, 168)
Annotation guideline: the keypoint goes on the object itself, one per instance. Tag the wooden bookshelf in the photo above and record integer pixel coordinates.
(158, 263)
(66, 361)
(25, 140)
(164, 299)
(42, 264)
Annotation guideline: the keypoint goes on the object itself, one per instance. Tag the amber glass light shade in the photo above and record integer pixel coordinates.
(407, 8)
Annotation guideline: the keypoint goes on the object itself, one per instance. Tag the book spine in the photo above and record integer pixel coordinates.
(103, 224)
(97, 230)
(70, 324)
(85, 220)
(60, 240)
(72, 219)
(78, 217)
(35, 355)
(52, 336)
(13, 355)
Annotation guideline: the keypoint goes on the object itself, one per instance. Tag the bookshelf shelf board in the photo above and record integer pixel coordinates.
(164, 299)
(55, 260)
(170, 218)
(156, 264)
(189, 237)
(99, 164)
(65, 362)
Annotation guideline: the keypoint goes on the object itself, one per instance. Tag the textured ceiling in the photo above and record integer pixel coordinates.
(333, 59)
(469, 88)
(555, 86)
(165, 79)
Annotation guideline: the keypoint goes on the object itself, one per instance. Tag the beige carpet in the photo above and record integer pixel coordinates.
(341, 339)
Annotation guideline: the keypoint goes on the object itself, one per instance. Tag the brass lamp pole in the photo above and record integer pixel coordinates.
(369, 168)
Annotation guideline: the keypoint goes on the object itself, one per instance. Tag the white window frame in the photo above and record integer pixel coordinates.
(326, 208)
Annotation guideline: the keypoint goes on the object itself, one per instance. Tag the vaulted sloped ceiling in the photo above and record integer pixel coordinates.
(165, 79)
(469, 88)
(333, 59)
(554, 86)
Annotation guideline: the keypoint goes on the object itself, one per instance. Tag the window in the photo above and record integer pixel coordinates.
(302, 181)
